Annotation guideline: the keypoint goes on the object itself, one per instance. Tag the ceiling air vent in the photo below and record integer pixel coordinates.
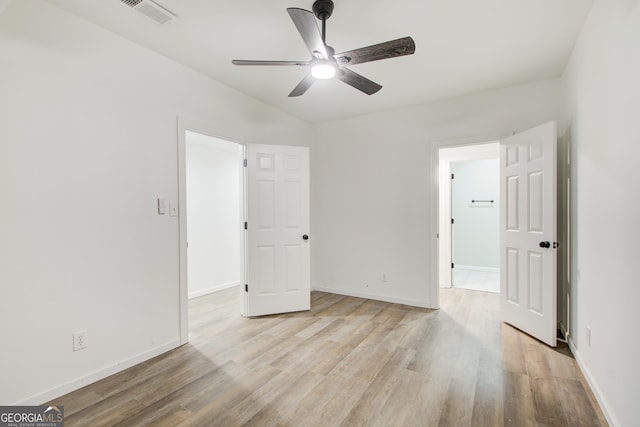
(152, 10)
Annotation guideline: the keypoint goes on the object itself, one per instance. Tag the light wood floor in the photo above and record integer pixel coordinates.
(347, 362)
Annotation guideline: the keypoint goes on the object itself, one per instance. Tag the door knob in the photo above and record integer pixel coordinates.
(305, 237)
(545, 245)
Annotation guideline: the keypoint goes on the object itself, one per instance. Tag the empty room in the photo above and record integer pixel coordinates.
(331, 292)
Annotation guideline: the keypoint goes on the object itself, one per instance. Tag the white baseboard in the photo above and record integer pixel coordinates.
(385, 298)
(477, 268)
(61, 390)
(602, 401)
(216, 288)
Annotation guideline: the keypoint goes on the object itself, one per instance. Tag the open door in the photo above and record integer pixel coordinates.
(278, 256)
(528, 232)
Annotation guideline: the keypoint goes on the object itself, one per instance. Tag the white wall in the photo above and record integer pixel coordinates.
(476, 237)
(373, 187)
(88, 140)
(214, 188)
(4, 4)
(603, 103)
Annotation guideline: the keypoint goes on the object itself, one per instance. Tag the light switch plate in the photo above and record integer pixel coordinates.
(162, 206)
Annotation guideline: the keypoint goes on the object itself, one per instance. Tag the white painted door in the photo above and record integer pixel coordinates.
(278, 257)
(528, 232)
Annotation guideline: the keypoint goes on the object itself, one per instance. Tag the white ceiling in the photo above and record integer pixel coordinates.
(462, 46)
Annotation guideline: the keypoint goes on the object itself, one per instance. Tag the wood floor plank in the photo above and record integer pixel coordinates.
(518, 400)
(288, 400)
(76, 402)
(547, 403)
(403, 402)
(546, 399)
(262, 397)
(333, 394)
(157, 415)
(561, 362)
(338, 356)
(103, 413)
(432, 395)
(457, 409)
(488, 404)
(512, 350)
(346, 362)
(368, 408)
(576, 404)
(240, 388)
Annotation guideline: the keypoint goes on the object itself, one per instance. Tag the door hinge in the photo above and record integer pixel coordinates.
(246, 225)
(452, 176)
(246, 288)
(452, 266)
(452, 221)
(245, 163)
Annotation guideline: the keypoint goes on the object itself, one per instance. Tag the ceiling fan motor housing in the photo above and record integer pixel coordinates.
(323, 9)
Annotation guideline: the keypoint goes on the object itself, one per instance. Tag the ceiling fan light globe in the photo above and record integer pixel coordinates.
(323, 71)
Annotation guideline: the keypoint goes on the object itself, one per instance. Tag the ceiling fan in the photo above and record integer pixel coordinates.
(325, 63)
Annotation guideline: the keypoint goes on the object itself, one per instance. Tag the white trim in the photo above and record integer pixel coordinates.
(213, 289)
(602, 401)
(434, 288)
(478, 268)
(385, 298)
(61, 390)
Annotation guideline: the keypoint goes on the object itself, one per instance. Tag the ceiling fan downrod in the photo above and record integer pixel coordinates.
(323, 9)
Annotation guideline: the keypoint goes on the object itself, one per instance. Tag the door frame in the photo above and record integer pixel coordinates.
(434, 292)
(183, 125)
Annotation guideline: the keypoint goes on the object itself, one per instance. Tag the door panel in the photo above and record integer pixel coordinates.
(535, 283)
(511, 198)
(511, 274)
(528, 217)
(278, 265)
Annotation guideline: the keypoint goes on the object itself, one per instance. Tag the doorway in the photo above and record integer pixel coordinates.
(213, 165)
(469, 212)
(214, 213)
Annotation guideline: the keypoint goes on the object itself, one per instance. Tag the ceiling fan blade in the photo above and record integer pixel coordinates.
(390, 49)
(356, 80)
(302, 86)
(305, 22)
(252, 62)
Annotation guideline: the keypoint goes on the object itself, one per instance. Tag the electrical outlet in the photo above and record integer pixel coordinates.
(589, 336)
(79, 340)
